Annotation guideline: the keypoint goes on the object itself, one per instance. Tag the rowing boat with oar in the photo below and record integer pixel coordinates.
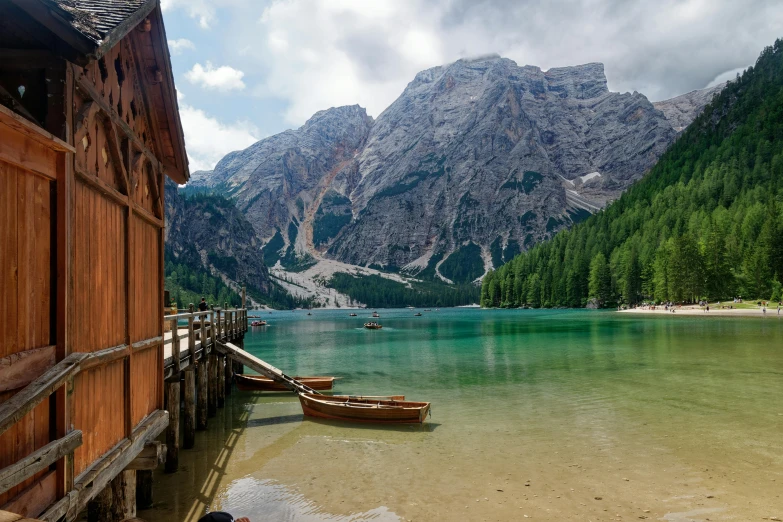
(260, 383)
(363, 409)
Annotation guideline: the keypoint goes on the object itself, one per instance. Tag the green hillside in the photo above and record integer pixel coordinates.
(704, 223)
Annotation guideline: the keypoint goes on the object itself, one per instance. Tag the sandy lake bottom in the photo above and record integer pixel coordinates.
(549, 415)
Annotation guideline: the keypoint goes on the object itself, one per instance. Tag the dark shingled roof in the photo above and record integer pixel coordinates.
(96, 19)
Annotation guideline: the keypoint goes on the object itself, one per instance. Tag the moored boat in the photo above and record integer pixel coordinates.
(258, 323)
(373, 326)
(261, 383)
(364, 409)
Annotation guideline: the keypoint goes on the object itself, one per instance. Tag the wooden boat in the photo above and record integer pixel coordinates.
(373, 326)
(355, 409)
(258, 323)
(261, 383)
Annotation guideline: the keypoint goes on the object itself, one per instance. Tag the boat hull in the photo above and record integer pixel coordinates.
(259, 383)
(366, 410)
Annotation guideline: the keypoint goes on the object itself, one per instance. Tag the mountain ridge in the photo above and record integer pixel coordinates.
(477, 153)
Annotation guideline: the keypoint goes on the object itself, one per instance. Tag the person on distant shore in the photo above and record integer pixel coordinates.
(221, 516)
(202, 306)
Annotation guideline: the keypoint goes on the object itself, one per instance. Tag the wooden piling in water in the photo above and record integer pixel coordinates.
(172, 431)
(221, 380)
(189, 413)
(228, 375)
(99, 508)
(144, 488)
(123, 496)
(201, 395)
(212, 390)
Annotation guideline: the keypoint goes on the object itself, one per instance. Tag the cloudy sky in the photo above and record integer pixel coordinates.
(247, 69)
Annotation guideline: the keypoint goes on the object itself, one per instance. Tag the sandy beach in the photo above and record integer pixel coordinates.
(772, 311)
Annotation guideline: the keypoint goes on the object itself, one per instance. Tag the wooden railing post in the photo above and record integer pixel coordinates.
(175, 345)
(219, 331)
(212, 335)
(203, 334)
(191, 341)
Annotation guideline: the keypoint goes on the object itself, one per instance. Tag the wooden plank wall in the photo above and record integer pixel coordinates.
(26, 212)
(146, 382)
(117, 226)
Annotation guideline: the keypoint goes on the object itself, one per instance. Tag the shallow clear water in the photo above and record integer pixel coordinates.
(554, 414)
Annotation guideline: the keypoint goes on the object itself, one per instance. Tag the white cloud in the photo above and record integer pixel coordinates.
(726, 76)
(207, 140)
(202, 10)
(318, 54)
(180, 45)
(315, 54)
(222, 78)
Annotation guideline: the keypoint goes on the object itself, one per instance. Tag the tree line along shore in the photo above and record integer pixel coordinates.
(705, 223)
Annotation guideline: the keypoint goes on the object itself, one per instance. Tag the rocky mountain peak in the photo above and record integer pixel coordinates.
(475, 161)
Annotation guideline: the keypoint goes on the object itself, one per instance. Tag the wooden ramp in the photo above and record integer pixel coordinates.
(263, 368)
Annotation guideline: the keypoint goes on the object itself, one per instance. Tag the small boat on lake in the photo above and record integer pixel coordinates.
(373, 325)
(261, 383)
(364, 409)
(258, 323)
(375, 314)
(308, 313)
(417, 314)
(352, 315)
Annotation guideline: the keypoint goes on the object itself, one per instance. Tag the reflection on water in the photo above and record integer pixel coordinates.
(283, 505)
(558, 415)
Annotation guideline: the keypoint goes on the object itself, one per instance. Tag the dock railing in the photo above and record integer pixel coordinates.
(217, 325)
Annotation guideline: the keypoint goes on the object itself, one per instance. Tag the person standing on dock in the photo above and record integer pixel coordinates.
(202, 306)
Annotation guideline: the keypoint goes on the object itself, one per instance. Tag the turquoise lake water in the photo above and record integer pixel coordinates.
(553, 414)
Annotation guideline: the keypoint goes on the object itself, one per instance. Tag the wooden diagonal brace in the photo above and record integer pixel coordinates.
(114, 151)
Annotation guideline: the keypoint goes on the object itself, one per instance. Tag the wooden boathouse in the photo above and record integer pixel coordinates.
(89, 127)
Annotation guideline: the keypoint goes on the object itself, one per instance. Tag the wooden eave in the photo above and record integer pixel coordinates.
(78, 48)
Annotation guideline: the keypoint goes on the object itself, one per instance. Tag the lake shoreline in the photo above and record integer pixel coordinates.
(697, 310)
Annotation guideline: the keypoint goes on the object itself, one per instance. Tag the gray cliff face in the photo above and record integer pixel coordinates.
(485, 151)
(682, 110)
(477, 159)
(209, 230)
(276, 181)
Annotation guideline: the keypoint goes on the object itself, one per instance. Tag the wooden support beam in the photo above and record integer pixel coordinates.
(212, 393)
(123, 492)
(23, 402)
(144, 488)
(103, 470)
(105, 356)
(38, 460)
(102, 187)
(201, 395)
(114, 152)
(221, 380)
(228, 375)
(152, 455)
(99, 508)
(172, 432)
(20, 369)
(189, 409)
(83, 84)
(144, 214)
